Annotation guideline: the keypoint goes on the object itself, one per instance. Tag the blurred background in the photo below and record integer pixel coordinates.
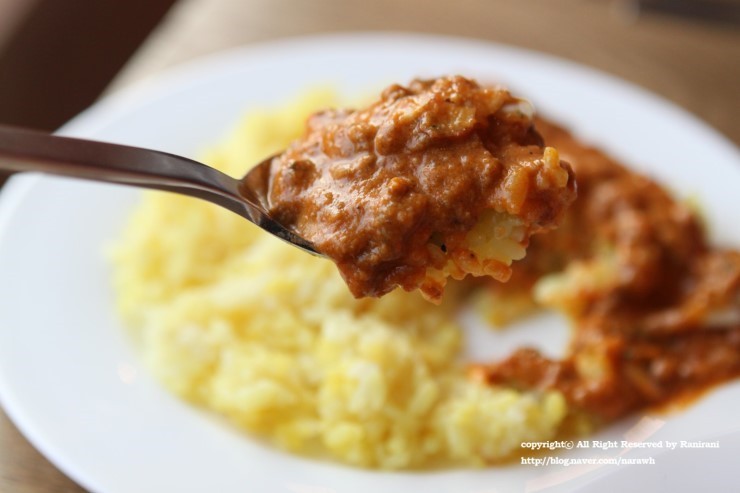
(57, 58)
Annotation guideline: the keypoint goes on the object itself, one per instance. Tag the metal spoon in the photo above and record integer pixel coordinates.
(28, 150)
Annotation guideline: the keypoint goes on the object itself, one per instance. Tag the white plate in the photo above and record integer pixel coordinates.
(72, 383)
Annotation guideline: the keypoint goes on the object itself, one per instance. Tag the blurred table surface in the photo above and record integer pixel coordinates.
(695, 64)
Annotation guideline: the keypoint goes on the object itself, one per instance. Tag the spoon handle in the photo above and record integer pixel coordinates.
(27, 150)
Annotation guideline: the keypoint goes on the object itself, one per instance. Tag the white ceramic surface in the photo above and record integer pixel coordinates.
(71, 381)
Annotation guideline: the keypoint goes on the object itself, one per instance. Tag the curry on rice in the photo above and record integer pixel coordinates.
(238, 322)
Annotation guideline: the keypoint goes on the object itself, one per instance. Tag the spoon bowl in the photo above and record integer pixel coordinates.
(23, 150)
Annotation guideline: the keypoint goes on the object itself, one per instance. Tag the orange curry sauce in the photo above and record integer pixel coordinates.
(670, 324)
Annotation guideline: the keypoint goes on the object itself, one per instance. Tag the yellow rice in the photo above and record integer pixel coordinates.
(232, 319)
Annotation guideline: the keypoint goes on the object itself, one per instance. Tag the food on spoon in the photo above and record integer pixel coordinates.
(441, 178)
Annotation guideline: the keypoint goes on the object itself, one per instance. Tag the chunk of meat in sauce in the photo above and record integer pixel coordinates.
(391, 192)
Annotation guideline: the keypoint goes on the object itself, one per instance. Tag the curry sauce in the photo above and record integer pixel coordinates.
(667, 322)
